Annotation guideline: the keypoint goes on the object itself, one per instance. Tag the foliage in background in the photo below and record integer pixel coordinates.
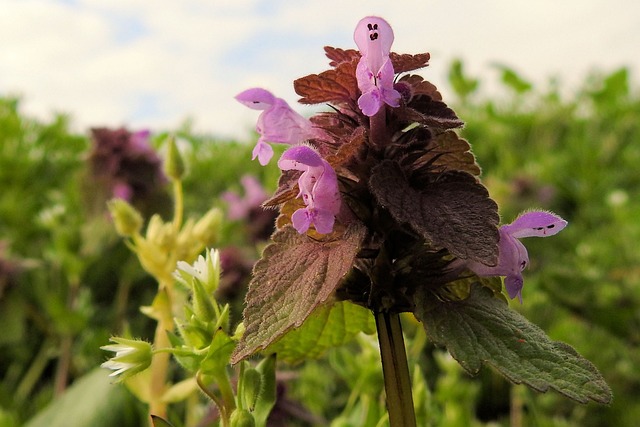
(574, 155)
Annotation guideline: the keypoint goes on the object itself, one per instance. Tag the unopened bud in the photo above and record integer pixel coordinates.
(126, 218)
(174, 165)
(252, 386)
(242, 418)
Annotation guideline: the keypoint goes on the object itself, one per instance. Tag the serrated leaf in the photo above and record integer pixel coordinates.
(451, 153)
(406, 62)
(328, 326)
(454, 212)
(338, 56)
(296, 275)
(336, 85)
(483, 330)
(430, 112)
(421, 86)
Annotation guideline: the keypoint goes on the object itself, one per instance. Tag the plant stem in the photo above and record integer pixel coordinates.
(160, 365)
(397, 382)
(378, 128)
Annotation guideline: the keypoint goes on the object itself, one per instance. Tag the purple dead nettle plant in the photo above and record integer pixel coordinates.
(381, 205)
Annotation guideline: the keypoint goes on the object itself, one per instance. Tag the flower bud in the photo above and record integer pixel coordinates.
(242, 418)
(174, 165)
(252, 386)
(126, 218)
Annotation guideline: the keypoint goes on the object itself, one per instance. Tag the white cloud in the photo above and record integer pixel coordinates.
(143, 63)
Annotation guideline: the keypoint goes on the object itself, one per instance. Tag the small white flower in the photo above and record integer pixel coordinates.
(132, 356)
(206, 270)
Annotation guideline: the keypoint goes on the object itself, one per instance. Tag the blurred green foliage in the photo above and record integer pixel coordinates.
(74, 283)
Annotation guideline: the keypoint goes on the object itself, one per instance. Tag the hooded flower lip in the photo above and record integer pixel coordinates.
(374, 73)
(278, 122)
(318, 185)
(513, 256)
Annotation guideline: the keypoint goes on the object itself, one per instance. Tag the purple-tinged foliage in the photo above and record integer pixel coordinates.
(277, 122)
(399, 218)
(512, 254)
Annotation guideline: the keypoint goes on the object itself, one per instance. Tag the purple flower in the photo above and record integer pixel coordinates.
(318, 188)
(254, 195)
(374, 73)
(126, 163)
(277, 122)
(513, 256)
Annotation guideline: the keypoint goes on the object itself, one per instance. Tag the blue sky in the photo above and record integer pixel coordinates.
(144, 63)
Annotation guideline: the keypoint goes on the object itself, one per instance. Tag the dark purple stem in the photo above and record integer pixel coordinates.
(378, 128)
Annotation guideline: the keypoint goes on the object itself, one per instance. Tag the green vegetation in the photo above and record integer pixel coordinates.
(67, 282)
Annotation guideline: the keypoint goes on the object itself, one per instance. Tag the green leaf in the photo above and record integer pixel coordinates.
(219, 353)
(328, 326)
(462, 84)
(160, 422)
(268, 395)
(482, 329)
(454, 212)
(93, 400)
(512, 80)
(295, 275)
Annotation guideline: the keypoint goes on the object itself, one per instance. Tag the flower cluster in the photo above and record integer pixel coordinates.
(387, 158)
(126, 163)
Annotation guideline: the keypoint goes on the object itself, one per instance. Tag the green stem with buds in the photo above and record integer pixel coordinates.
(397, 382)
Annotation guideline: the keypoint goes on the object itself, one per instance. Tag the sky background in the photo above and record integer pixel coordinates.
(155, 63)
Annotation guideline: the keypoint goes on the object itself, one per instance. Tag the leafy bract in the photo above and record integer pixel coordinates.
(335, 85)
(449, 152)
(296, 275)
(454, 211)
(482, 329)
(329, 326)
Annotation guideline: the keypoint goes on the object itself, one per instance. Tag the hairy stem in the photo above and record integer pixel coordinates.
(397, 382)
(378, 128)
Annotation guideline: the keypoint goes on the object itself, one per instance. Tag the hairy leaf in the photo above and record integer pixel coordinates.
(295, 276)
(405, 62)
(421, 86)
(424, 109)
(328, 326)
(454, 211)
(482, 329)
(336, 85)
(338, 56)
(449, 152)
